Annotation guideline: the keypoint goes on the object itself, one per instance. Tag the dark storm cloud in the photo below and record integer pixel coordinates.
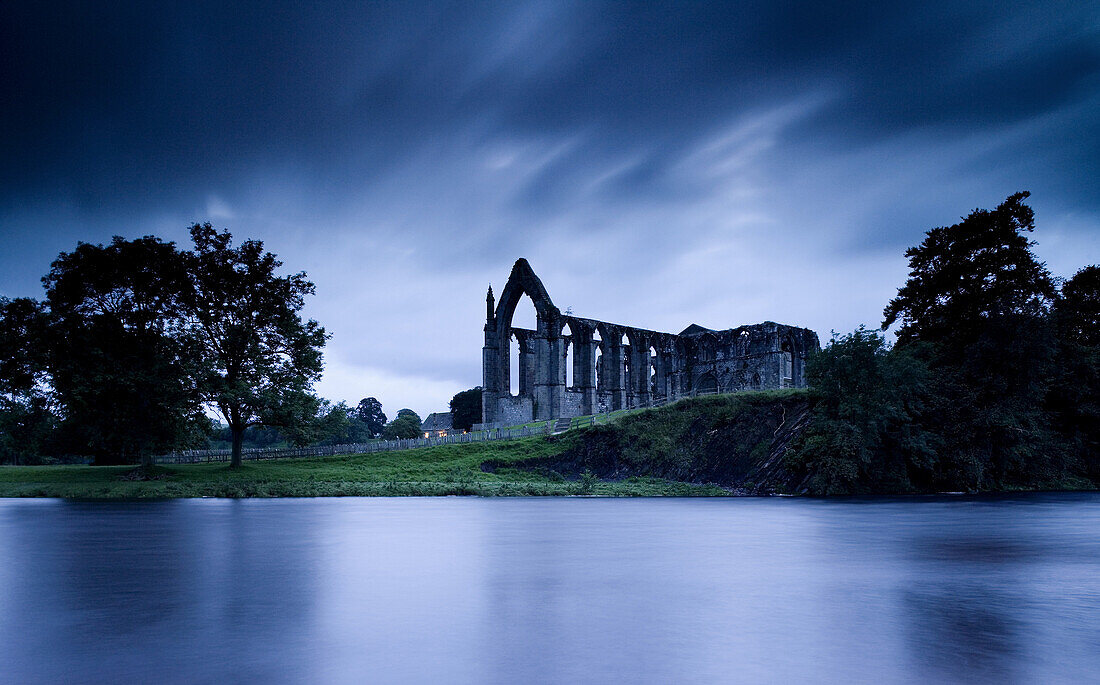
(747, 160)
(148, 99)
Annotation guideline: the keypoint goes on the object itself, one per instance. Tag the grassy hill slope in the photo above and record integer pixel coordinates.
(734, 441)
(707, 446)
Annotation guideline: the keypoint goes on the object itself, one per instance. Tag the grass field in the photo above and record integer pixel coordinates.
(669, 450)
(443, 470)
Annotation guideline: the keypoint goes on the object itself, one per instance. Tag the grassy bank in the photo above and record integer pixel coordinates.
(701, 447)
(737, 440)
(445, 470)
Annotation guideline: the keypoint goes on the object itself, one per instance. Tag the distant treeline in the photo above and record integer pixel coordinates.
(993, 382)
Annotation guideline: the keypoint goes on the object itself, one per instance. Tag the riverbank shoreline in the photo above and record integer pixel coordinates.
(716, 446)
(434, 471)
(345, 477)
(245, 489)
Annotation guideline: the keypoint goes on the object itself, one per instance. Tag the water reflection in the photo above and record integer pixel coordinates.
(964, 632)
(152, 590)
(551, 590)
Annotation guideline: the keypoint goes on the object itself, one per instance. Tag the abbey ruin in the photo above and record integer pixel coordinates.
(620, 367)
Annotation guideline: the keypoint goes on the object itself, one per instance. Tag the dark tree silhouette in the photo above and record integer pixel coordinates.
(1074, 398)
(405, 425)
(26, 419)
(466, 409)
(976, 309)
(962, 276)
(258, 358)
(369, 411)
(1077, 311)
(121, 365)
(24, 324)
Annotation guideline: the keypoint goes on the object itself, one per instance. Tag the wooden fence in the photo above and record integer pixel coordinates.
(200, 456)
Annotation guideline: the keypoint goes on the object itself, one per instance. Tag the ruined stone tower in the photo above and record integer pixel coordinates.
(619, 367)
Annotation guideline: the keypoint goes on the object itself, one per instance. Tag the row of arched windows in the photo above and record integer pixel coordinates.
(526, 318)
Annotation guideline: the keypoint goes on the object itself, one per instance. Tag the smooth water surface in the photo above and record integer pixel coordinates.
(469, 590)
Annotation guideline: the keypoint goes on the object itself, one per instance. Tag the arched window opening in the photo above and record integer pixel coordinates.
(653, 389)
(708, 348)
(514, 352)
(708, 384)
(599, 369)
(787, 372)
(524, 318)
(597, 359)
(626, 381)
(569, 353)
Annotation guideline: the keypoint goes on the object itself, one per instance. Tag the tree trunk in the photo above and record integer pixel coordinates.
(238, 438)
(147, 459)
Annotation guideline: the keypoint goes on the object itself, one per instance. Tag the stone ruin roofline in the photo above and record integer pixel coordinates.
(595, 324)
(609, 374)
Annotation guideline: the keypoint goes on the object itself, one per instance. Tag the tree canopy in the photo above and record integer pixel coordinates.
(466, 409)
(963, 275)
(120, 363)
(976, 306)
(369, 411)
(1077, 309)
(259, 359)
(1074, 399)
(27, 421)
(405, 425)
(865, 436)
(992, 384)
(24, 352)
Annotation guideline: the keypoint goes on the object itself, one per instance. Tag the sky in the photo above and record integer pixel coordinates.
(658, 164)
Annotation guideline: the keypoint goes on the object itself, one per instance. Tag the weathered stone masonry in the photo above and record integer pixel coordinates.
(617, 366)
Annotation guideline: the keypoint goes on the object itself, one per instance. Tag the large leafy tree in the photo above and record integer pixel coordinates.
(975, 308)
(120, 364)
(26, 419)
(1077, 311)
(258, 358)
(962, 276)
(405, 425)
(369, 412)
(1074, 398)
(466, 409)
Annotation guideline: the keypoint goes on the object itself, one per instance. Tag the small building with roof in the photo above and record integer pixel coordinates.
(437, 425)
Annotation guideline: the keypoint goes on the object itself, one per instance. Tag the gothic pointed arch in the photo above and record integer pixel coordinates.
(707, 384)
(523, 281)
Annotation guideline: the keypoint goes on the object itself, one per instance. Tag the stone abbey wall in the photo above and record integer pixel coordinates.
(619, 367)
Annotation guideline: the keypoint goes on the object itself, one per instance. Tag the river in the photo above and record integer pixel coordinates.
(568, 590)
